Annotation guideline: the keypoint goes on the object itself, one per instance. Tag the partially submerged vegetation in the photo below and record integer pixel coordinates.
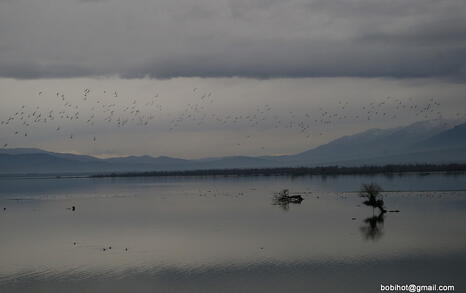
(284, 199)
(423, 169)
(373, 228)
(372, 194)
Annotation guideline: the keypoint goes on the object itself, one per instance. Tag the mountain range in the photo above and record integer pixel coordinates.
(433, 141)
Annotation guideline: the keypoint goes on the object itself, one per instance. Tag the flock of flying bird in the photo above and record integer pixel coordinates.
(109, 108)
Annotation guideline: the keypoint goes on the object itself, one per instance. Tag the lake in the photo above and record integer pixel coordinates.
(225, 234)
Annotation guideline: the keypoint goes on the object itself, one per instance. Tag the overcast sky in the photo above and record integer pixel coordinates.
(277, 60)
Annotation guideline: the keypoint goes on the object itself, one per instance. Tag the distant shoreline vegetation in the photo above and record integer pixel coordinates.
(421, 169)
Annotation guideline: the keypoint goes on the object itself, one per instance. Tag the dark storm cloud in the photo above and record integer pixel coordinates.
(307, 60)
(253, 38)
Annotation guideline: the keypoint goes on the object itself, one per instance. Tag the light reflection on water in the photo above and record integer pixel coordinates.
(225, 234)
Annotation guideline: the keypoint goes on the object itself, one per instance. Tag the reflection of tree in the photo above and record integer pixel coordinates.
(373, 228)
(284, 205)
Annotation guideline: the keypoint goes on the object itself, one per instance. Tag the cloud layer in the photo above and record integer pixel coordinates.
(224, 38)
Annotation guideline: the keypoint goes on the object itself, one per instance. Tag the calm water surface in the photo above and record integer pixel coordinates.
(219, 234)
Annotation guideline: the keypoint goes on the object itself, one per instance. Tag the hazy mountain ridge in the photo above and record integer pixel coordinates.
(376, 142)
(421, 142)
(454, 137)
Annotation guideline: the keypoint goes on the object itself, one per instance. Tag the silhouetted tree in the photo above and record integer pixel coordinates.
(372, 193)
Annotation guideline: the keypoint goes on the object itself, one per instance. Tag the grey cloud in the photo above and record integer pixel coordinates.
(307, 60)
(448, 33)
(254, 38)
(32, 70)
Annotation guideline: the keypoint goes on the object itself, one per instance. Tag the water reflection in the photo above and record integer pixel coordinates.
(373, 228)
(285, 206)
(230, 239)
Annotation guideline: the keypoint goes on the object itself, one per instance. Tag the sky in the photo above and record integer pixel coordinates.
(210, 78)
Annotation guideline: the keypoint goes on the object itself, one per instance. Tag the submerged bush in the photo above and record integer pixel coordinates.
(373, 195)
(283, 199)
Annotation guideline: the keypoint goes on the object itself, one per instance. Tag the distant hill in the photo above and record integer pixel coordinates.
(234, 162)
(421, 142)
(451, 138)
(47, 163)
(22, 151)
(372, 143)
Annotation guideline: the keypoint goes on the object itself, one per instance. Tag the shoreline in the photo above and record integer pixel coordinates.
(389, 170)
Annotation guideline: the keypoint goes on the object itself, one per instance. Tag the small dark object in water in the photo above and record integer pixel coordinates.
(109, 247)
(4, 209)
(353, 219)
(74, 243)
(73, 208)
(394, 211)
(104, 249)
(126, 249)
(295, 198)
(285, 198)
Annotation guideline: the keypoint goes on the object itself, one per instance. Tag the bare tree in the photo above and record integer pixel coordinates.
(372, 193)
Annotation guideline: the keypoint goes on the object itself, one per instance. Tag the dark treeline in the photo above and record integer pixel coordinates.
(301, 171)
